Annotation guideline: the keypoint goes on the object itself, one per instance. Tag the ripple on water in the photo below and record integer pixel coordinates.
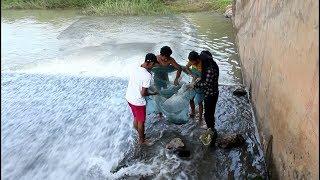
(88, 45)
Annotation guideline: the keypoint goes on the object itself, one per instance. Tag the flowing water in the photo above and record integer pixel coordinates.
(64, 115)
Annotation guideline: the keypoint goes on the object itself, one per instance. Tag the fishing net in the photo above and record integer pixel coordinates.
(175, 107)
(172, 101)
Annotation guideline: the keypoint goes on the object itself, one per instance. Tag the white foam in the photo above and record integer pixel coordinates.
(86, 66)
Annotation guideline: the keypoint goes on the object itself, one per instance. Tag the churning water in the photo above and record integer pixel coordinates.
(64, 115)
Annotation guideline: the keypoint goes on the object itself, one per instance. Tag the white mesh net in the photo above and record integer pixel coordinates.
(173, 102)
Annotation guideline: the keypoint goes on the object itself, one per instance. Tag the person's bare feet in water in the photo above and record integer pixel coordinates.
(146, 142)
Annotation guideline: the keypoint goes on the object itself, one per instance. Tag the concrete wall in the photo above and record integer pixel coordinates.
(278, 46)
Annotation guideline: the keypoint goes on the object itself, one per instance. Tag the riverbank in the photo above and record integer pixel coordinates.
(121, 7)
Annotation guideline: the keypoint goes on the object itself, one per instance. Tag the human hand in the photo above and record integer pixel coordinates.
(152, 93)
(190, 86)
(198, 79)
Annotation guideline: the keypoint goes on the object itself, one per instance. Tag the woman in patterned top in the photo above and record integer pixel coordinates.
(209, 84)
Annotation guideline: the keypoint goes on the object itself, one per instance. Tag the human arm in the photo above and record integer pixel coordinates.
(201, 83)
(146, 85)
(211, 76)
(187, 70)
(145, 92)
(179, 69)
(192, 84)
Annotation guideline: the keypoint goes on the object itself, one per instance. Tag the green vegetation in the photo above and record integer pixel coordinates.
(121, 7)
(126, 7)
(221, 4)
(198, 5)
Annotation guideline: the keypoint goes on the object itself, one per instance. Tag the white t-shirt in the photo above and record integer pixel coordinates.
(139, 77)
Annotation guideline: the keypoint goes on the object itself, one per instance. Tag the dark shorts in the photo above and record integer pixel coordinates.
(139, 112)
(161, 78)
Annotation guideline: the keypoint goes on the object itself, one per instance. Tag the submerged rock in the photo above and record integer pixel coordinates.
(240, 92)
(177, 147)
(183, 153)
(230, 141)
(175, 143)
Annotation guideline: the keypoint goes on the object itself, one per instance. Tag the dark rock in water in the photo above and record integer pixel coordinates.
(175, 143)
(177, 147)
(231, 141)
(239, 92)
(183, 153)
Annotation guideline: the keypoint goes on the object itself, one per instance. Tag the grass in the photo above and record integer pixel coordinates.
(125, 7)
(198, 5)
(121, 7)
(221, 5)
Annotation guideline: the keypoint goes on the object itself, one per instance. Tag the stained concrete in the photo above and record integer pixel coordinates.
(278, 46)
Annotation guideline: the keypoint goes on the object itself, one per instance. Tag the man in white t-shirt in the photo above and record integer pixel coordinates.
(139, 82)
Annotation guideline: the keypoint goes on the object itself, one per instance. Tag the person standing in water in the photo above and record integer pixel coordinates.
(194, 68)
(137, 90)
(209, 84)
(166, 65)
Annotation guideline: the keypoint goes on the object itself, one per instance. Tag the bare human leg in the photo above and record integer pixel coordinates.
(135, 124)
(200, 111)
(192, 106)
(140, 128)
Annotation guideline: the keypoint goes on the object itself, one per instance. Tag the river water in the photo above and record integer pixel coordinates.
(64, 115)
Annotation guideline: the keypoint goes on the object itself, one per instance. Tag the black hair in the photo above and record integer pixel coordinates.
(150, 57)
(166, 51)
(207, 52)
(206, 62)
(193, 56)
